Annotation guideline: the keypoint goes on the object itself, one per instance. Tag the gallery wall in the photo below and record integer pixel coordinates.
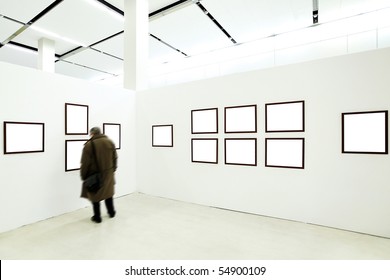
(35, 186)
(341, 190)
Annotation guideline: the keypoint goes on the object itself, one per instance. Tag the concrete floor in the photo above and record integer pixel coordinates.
(150, 228)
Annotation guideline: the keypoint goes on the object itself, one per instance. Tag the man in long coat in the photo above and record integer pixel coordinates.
(106, 158)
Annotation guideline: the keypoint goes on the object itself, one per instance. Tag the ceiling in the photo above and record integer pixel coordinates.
(89, 36)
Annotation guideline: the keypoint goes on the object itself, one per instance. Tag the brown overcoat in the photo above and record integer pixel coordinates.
(107, 160)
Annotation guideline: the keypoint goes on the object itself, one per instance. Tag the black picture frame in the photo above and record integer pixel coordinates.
(299, 156)
(23, 137)
(211, 156)
(247, 148)
(73, 154)
(76, 119)
(361, 131)
(285, 116)
(204, 121)
(240, 119)
(162, 135)
(115, 136)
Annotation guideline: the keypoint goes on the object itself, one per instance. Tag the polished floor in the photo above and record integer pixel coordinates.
(151, 228)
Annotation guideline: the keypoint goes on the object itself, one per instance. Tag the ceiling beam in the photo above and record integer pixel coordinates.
(169, 8)
(30, 22)
(207, 13)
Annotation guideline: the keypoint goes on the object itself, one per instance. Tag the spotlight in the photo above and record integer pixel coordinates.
(315, 17)
(315, 11)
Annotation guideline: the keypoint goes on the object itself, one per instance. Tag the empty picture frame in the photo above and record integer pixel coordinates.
(23, 137)
(76, 119)
(162, 135)
(241, 151)
(204, 150)
(285, 152)
(285, 116)
(365, 132)
(113, 131)
(241, 119)
(204, 121)
(73, 152)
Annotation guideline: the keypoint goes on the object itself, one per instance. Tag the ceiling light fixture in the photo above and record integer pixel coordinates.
(315, 11)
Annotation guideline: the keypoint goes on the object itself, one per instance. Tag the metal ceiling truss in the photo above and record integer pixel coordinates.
(30, 22)
(204, 10)
(161, 12)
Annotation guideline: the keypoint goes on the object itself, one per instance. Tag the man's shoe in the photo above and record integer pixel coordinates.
(112, 215)
(95, 219)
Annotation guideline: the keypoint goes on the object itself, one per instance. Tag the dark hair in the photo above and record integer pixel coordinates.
(95, 130)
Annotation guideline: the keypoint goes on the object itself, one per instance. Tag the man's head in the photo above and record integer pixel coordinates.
(94, 131)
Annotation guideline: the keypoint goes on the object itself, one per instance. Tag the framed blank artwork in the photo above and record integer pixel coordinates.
(113, 131)
(285, 117)
(162, 135)
(241, 151)
(204, 150)
(285, 152)
(241, 119)
(76, 119)
(365, 132)
(204, 121)
(73, 152)
(24, 137)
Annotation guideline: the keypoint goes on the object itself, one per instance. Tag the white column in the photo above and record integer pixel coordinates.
(136, 44)
(46, 55)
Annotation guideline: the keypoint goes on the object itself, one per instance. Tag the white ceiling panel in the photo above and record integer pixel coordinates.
(74, 23)
(189, 30)
(19, 56)
(159, 53)
(24, 10)
(8, 28)
(69, 69)
(337, 9)
(30, 37)
(81, 21)
(97, 60)
(248, 20)
(113, 46)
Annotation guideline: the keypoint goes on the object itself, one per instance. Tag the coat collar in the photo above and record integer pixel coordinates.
(97, 137)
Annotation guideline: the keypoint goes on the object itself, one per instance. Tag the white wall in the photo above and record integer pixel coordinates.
(346, 191)
(35, 186)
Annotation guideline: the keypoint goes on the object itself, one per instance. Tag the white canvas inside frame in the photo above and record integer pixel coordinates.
(113, 131)
(74, 149)
(240, 151)
(204, 121)
(285, 117)
(76, 119)
(365, 132)
(24, 137)
(285, 153)
(240, 119)
(205, 150)
(162, 136)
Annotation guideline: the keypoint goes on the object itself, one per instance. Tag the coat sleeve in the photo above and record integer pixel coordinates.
(114, 158)
(85, 162)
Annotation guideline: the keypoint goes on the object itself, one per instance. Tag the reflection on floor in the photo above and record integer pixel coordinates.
(153, 228)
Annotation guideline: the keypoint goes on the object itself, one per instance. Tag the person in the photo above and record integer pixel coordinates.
(106, 157)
